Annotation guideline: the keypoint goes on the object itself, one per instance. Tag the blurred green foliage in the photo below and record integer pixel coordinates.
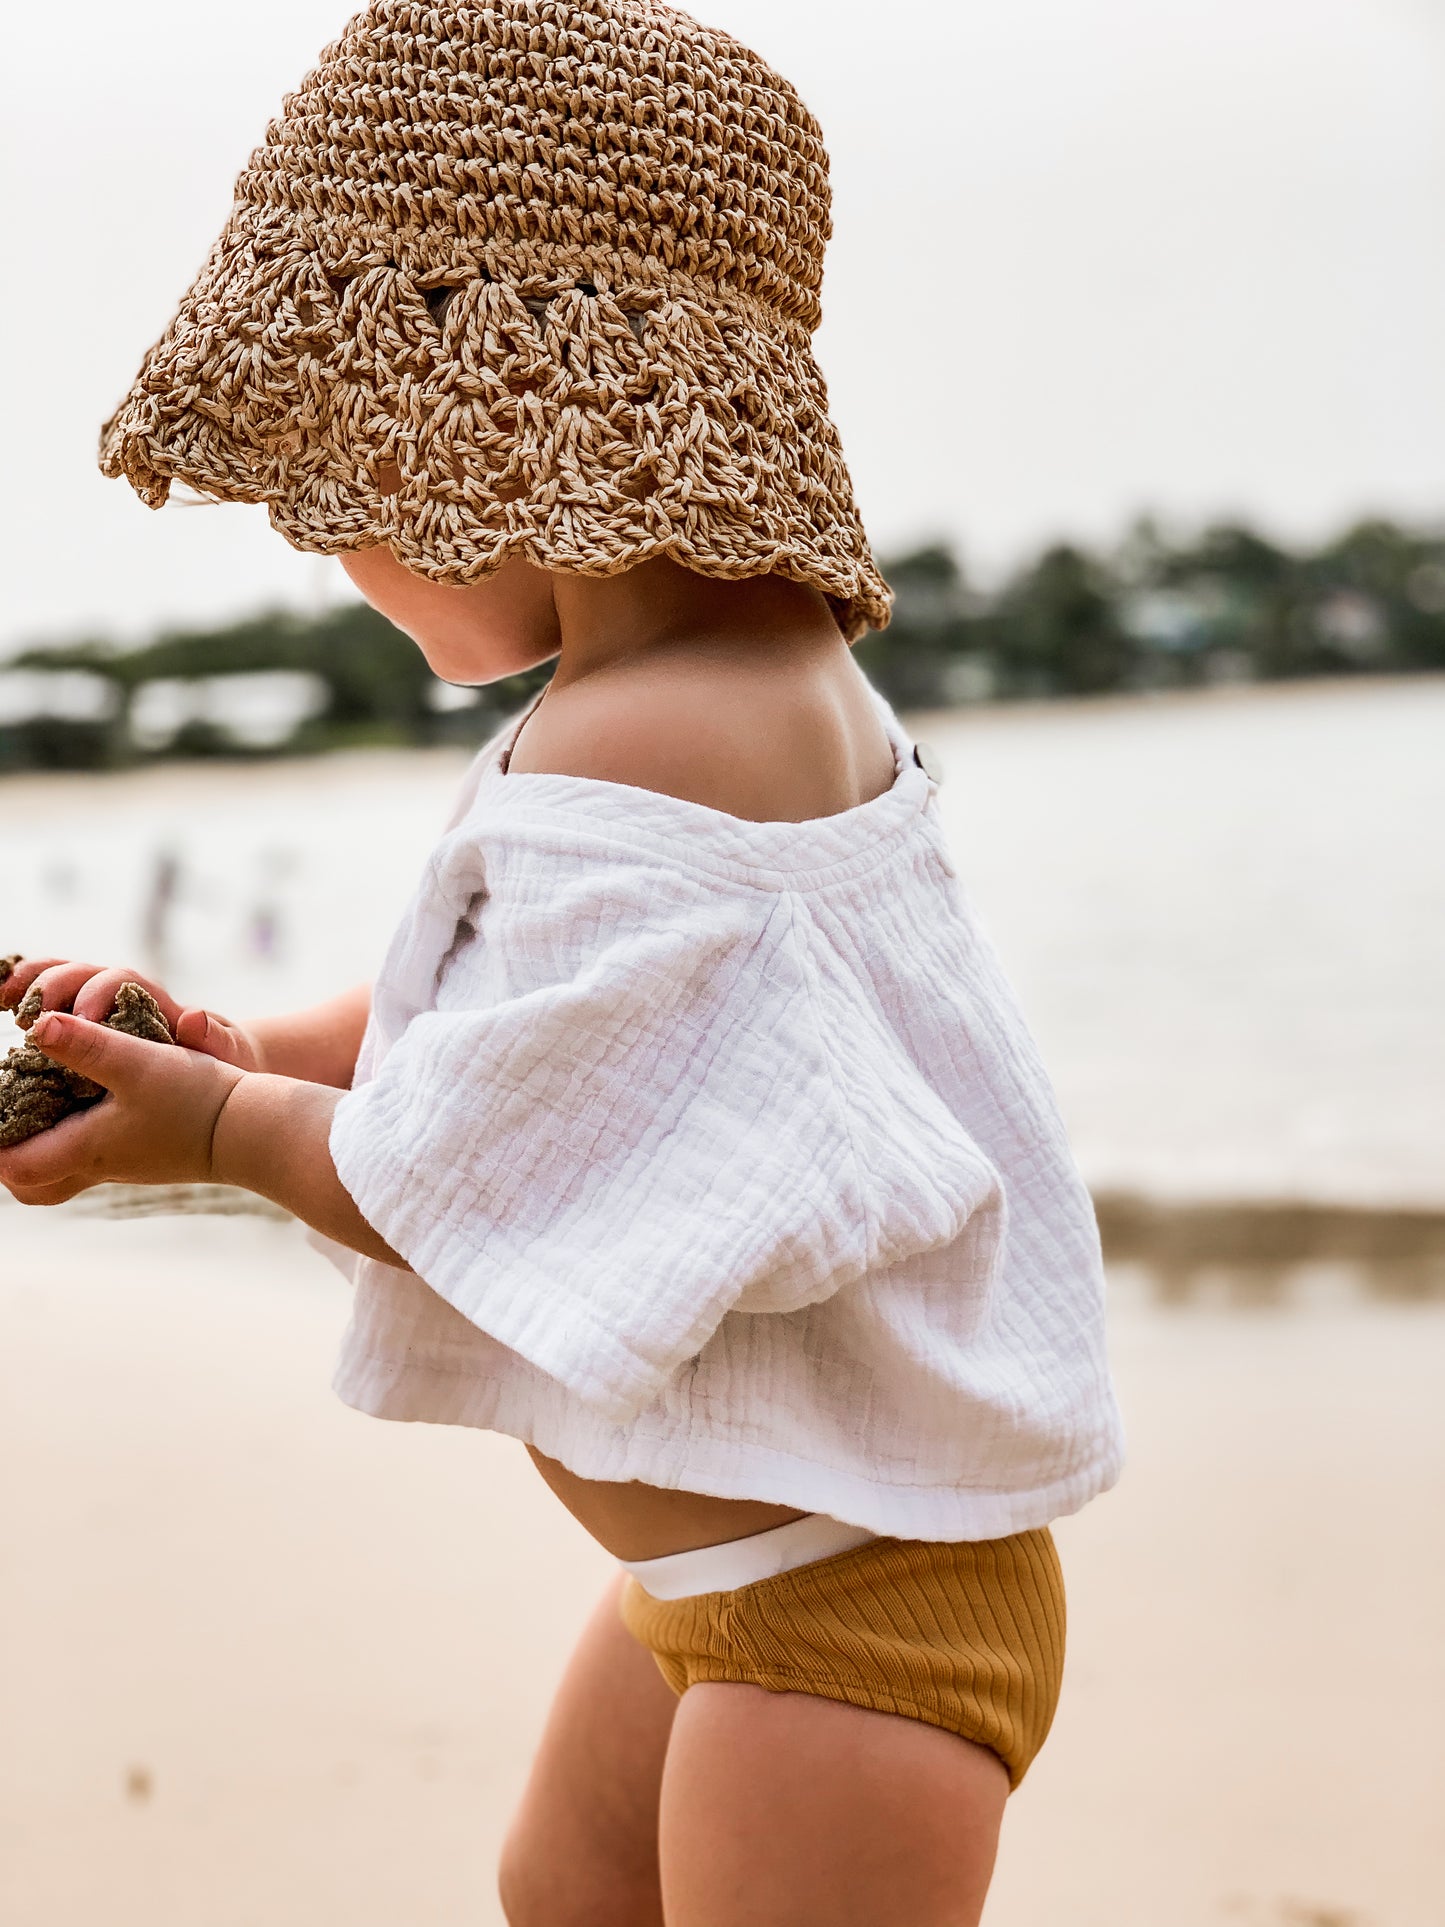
(1225, 606)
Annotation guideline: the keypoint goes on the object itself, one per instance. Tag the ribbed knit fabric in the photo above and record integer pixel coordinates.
(725, 1162)
(969, 1636)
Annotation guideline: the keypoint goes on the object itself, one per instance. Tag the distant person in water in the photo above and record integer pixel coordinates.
(263, 931)
(160, 899)
(690, 1132)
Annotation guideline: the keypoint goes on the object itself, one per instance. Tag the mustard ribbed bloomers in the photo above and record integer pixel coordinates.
(968, 1636)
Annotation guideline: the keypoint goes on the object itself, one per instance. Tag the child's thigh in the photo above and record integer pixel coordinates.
(582, 1849)
(781, 1810)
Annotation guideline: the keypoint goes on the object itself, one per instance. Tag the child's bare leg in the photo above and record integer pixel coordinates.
(781, 1810)
(582, 1850)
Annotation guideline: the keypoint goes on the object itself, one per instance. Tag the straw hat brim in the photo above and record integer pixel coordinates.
(527, 405)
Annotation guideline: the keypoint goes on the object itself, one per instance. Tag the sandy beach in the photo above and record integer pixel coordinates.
(266, 1660)
(263, 1660)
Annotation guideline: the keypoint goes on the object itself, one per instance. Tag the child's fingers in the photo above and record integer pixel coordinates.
(41, 1194)
(96, 1000)
(107, 1057)
(203, 1030)
(50, 1168)
(22, 977)
(57, 983)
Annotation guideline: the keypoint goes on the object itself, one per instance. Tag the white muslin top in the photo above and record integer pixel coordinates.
(724, 1161)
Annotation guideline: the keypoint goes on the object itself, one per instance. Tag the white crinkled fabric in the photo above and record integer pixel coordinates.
(723, 1160)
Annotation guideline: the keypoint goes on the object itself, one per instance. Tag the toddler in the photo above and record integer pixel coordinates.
(690, 1132)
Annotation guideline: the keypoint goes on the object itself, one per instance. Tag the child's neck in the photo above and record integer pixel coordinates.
(607, 621)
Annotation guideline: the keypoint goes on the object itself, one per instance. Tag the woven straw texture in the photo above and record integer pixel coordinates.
(537, 277)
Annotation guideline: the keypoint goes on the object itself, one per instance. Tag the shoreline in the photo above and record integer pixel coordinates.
(1249, 1250)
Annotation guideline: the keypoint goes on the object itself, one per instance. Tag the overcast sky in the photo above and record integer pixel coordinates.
(1092, 257)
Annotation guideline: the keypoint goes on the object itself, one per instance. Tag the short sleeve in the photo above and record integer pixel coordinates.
(620, 1123)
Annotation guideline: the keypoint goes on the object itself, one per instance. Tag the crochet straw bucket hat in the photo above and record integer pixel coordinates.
(537, 277)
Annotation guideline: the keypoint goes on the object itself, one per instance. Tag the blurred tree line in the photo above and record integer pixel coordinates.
(1224, 606)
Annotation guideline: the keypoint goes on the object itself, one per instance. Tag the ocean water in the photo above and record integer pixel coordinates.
(1224, 912)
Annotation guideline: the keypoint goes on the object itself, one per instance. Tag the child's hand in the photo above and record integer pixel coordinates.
(156, 1126)
(89, 992)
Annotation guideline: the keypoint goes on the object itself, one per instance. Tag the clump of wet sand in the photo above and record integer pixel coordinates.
(37, 1093)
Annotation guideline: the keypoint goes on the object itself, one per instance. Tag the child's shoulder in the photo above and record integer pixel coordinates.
(775, 742)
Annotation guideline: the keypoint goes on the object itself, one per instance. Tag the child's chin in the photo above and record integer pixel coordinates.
(468, 665)
(476, 652)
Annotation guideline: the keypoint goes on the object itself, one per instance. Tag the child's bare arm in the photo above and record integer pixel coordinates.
(319, 1044)
(272, 1138)
(182, 1117)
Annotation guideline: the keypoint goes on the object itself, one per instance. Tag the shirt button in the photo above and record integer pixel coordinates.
(927, 760)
